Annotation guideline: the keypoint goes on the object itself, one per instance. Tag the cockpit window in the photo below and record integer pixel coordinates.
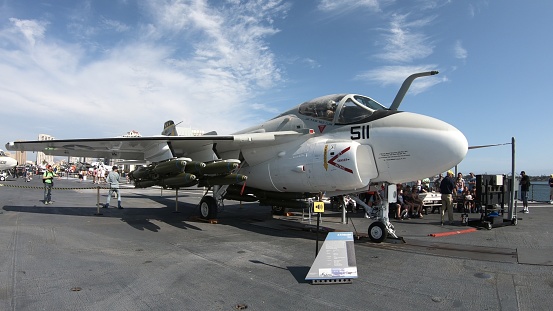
(357, 108)
(323, 108)
(2, 154)
(340, 108)
(367, 102)
(351, 112)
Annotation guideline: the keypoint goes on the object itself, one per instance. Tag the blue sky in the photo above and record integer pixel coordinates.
(86, 69)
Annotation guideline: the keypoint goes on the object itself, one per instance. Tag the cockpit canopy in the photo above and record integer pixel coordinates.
(340, 108)
(2, 154)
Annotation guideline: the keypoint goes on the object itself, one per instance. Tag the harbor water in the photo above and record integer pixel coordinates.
(539, 191)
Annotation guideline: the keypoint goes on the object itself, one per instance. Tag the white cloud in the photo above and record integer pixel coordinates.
(404, 42)
(395, 75)
(459, 51)
(32, 30)
(188, 61)
(115, 25)
(311, 63)
(349, 5)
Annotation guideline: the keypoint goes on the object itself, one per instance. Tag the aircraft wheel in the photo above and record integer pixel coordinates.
(208, 208)
(489, 225)
(514, 221)
(377, 232)
(278, 210)
(2, 178)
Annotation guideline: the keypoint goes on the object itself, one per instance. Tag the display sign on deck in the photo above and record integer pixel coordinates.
(335, 262)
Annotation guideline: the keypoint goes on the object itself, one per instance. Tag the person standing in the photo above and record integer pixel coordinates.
(114, 179)
(524, 188)
(48, 180)
(437, 182)
(472, 181)
(460, 184)
(551, 189)
(447, 188)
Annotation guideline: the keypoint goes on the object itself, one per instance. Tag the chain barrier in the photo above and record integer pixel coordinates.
(60, 188)
(97, 188)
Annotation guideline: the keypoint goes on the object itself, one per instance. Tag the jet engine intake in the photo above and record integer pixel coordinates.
(325, 166)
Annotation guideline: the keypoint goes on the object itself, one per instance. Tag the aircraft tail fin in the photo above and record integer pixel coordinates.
(169, 128)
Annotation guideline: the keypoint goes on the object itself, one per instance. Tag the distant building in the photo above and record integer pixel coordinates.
(21, 157)
(132, 133)
(40, 156)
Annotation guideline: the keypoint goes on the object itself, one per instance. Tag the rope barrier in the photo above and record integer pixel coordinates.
(97, 188)
(61, 188)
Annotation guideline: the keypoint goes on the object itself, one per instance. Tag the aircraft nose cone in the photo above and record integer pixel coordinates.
(450, 145)
(411, 146)
(457, 146)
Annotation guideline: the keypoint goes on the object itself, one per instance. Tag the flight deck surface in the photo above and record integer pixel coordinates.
(154, 255)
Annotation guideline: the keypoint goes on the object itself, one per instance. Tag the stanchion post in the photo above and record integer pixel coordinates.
(98, 201)
(317, 244)
(318, 207)
(176, 200)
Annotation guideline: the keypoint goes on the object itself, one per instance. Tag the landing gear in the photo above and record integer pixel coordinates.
(208, 207)
(378, 232)
(278, 210)
(382, 228)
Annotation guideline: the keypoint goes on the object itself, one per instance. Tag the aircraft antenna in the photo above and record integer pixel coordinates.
(405, 86)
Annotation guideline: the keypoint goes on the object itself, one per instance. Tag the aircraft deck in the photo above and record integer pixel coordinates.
(148, 257)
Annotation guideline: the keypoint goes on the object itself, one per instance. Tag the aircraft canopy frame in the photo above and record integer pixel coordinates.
(340, 108)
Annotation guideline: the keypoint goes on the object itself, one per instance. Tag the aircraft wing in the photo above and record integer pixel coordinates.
(149, 147)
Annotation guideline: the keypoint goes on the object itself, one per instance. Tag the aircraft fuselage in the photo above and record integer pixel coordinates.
(345, 155)
(6, 163)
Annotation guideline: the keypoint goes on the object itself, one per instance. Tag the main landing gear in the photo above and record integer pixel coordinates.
(381, 228)
(208, 207)
(378, 232)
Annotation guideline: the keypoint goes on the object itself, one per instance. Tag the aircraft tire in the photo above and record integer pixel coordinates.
(2, 178)
(377, 232)
(278, 210)
(208, 208)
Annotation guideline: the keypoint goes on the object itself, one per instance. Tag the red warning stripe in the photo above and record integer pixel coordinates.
(440, 234)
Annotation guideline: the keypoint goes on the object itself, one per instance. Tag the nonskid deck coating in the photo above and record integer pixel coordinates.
(147, 257)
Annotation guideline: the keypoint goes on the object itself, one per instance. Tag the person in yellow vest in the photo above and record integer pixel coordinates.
(48, 180)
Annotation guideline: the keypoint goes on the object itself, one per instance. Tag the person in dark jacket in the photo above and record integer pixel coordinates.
(524, 188)
(447, 188)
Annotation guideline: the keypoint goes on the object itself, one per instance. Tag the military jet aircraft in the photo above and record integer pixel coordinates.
(6, 163)
(335, 144)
